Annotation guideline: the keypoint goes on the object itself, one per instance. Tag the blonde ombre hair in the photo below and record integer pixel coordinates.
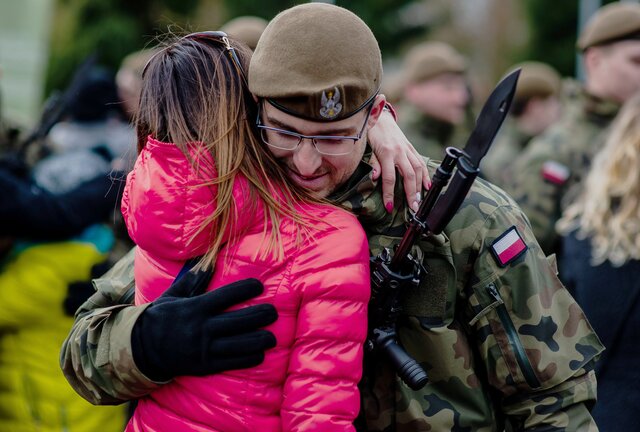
(608, 209)
(194, 95)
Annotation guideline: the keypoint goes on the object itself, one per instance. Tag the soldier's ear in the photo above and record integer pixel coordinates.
(593, 58)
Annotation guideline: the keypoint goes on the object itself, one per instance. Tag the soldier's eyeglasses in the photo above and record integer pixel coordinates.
(216, 36)
(328, 145)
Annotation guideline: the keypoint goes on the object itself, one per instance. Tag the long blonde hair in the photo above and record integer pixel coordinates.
(608, 209)
(194, 96)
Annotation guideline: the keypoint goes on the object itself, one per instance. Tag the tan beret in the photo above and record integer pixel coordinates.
(611, 23)
(136, 61)
(317, 61)
(430, 59)
(536, 79)
(247, 29)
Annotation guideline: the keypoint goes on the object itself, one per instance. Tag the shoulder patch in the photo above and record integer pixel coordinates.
(508, 247)
(555, 172)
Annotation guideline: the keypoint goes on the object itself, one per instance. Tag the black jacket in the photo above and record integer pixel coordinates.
(610, 297)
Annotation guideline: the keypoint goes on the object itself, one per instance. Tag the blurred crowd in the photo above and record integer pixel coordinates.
(568, 154)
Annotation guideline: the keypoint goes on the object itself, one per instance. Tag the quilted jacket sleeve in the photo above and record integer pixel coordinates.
(332, 274)
(166, 201)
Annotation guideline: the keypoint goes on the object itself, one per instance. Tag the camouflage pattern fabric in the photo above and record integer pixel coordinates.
(430, 137)
(504, 346)
(571, 143)
(508, 145)
(96, 358)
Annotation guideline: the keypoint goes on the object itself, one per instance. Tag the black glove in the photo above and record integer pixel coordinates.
(183, 333)
(78, 292)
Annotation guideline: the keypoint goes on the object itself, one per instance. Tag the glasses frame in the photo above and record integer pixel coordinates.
(214, 35)
(261, 127)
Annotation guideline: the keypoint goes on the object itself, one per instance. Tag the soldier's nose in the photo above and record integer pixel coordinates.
(306, 158)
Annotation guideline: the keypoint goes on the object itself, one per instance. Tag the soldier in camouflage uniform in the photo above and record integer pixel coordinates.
(436, 98)
(547, 174)
(504, 343)
(535, 106)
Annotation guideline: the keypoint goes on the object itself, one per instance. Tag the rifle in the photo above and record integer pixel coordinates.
(392, 273)
(57, 105)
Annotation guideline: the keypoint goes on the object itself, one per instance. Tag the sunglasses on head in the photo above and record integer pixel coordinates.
(216, 36)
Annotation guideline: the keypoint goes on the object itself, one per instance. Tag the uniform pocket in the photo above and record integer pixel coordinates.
(432, 301)
(499, 338)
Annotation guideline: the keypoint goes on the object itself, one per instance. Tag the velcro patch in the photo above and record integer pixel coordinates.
(508, 247)
(555, 172)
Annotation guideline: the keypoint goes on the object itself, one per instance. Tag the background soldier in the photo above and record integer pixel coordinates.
(536, 105)
(490, 327)
(557, 160)
(247, 29)
(436, 97)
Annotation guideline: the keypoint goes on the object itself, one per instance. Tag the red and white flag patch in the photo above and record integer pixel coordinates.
(508, 247)
(555, 172)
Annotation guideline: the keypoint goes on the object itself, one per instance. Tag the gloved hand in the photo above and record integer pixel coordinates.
(78, 292)
(183, 333)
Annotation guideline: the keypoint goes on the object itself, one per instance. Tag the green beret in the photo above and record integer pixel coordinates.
(536, 79)
(611, 23)
(246, 29)
(430, 59)
(317, 61)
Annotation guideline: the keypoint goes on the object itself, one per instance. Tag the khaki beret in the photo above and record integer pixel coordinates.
(247, 29)
(317, 61)
(611, 23)
(536, 79)
(430, 59)
(136, 61)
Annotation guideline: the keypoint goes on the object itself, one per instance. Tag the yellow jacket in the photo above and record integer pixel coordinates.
(34, 395)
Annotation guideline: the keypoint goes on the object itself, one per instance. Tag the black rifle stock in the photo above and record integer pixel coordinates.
(391, 272)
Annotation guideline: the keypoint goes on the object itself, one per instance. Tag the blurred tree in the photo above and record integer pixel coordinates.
(385, 17)
(553, 35)
(554, 28)
(115, 28)
(112, 28)
(387, 21)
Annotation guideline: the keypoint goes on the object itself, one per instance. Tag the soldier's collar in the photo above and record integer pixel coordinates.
(598, 108)
(360, 182)
(439, 130)
(520, 137)
(362, 196)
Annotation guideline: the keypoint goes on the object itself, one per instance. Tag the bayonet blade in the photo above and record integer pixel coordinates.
(491, 117)
(488, 123)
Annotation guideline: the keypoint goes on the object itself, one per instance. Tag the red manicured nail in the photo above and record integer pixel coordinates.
(389, 206)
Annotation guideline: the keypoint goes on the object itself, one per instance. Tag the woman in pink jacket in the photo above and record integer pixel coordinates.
(204, 186)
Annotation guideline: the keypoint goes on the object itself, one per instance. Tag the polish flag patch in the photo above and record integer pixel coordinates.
(508, 247)
(555, 172)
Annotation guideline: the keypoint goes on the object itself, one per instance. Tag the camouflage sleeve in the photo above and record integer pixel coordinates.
(535, 342)
(96, 357)
(537, 195)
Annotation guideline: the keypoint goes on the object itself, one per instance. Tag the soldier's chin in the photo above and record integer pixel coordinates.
(316, 185)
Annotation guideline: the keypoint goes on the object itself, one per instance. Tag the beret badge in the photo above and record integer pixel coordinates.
(330, 105)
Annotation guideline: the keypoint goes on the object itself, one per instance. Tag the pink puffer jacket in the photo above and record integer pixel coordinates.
(308, 382)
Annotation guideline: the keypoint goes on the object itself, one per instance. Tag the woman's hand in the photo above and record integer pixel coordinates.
(392, 149)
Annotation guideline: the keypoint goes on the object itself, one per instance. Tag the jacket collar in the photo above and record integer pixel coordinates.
(599, 110)
(362, 196)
